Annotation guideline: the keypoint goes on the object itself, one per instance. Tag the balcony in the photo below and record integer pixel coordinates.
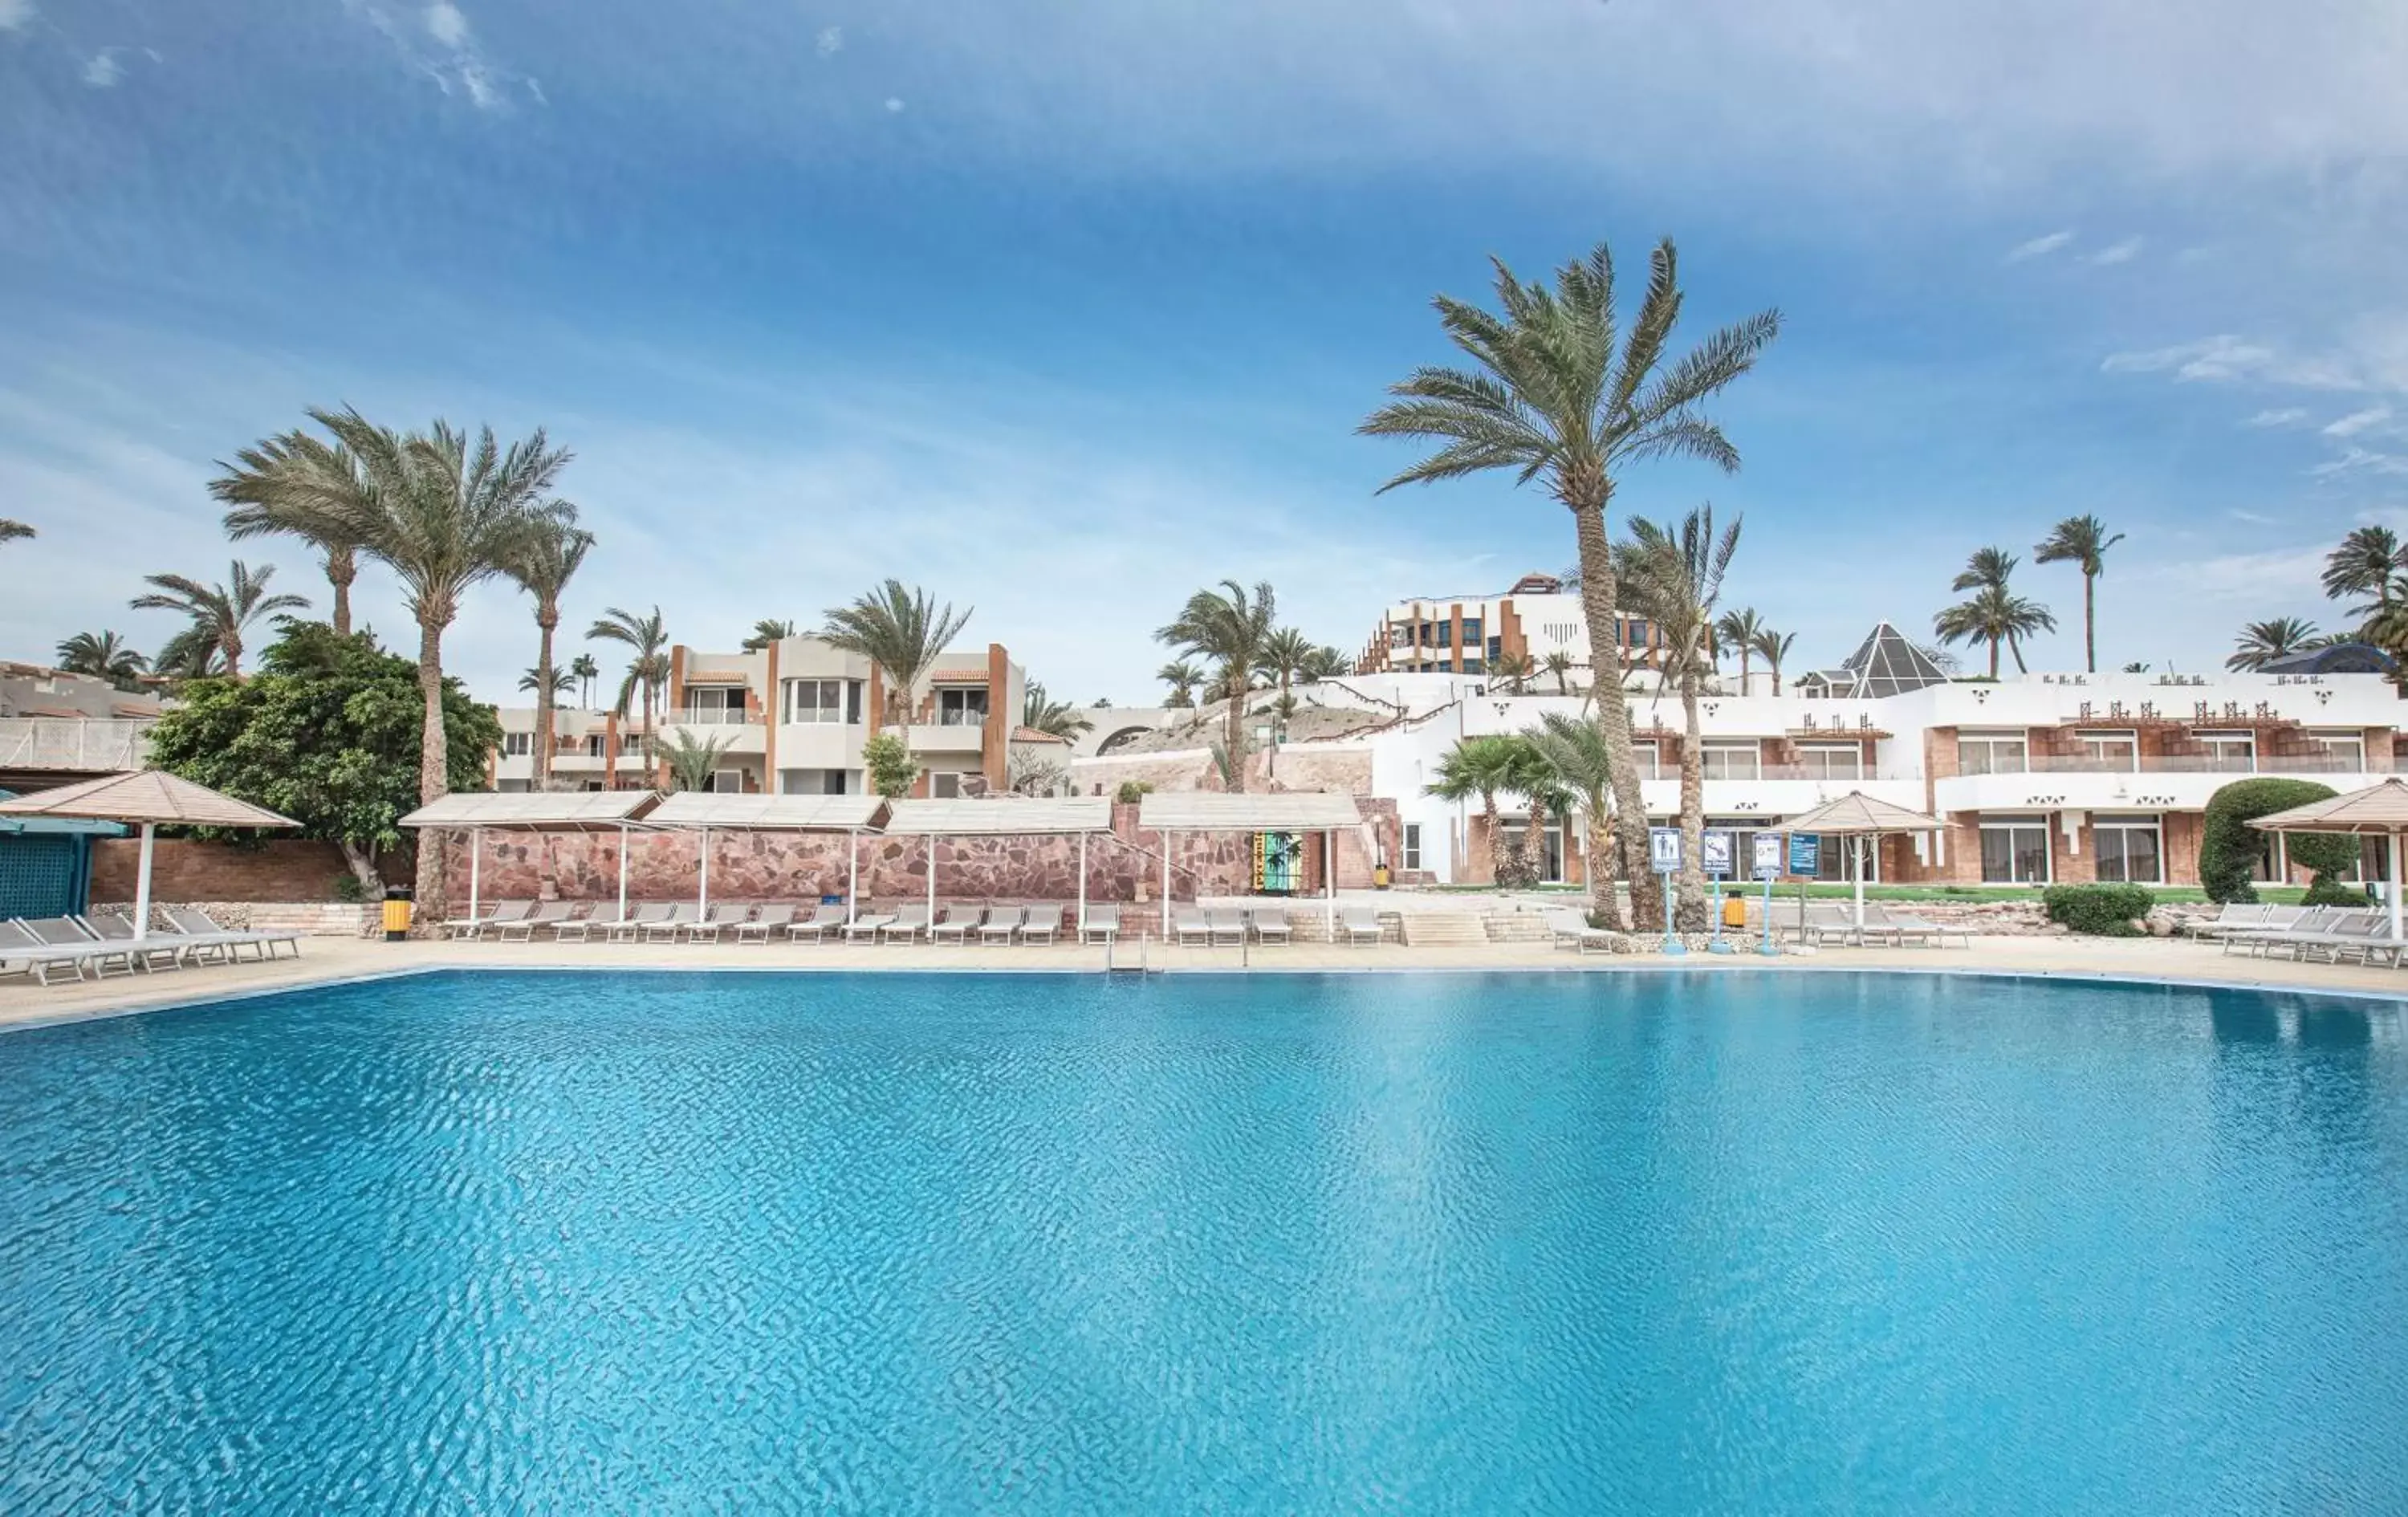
(2217, 764)
(948, 738)
(2181, 784)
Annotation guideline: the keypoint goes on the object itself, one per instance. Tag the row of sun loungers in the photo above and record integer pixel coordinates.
(1229, 926)
(661, 922)
(103, 943)
(2310, 934)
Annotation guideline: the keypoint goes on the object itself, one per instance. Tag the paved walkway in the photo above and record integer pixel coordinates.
(326, 959)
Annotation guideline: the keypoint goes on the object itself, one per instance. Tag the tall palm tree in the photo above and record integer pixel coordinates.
(2263, 642)
(586, 671)
(1059, 719)
(561, 683)
(1323, 663)
(1738, 630)
(221, 614)
(1483, 769)
(648, 671)
(549, 560)
(1773, 648)
(1573, 751)
(102, 655)
(2082, 541)
(1675, 574)
(1282, 661)
(1229, 627)
(1557, 393)
(1559, 665)
(1183, 679)
(767, 631)
(1995, 616)
(11, 531)
(903, 632)
(250, 487)
(2365, 564)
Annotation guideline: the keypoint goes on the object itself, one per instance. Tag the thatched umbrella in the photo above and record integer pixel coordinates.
(147, 798)
(1857, 815)
(2379, 811)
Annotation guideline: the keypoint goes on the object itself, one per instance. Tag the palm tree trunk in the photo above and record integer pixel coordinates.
(1600, 852)
(1776, 679)
(1597, 596)
(2089, 623)
(340, 571)
(434, 778)
(1744, 668)
(2015, 646)
(543, 701)
(1689, 887)
(1234, 686)
(1994, 659)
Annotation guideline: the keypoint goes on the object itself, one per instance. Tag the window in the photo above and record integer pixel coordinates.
(1471, 632)
(2342, 751)
(594, 746)
(2117, 752)
(724, 782)
(2230, 752)
(836, 782)
(1638, 633)
(2130, 849)
(2015, 851)
(1445, 637)
(1473, 665)
(962, 707)
(824, 701)
(1732, 760)
(946, 786)
(714, 705)
(1992, 752)
(517, 744)
(1832, 761)
(1412, 848)
(1648, 758)
(1401, 635)
(1496, 647)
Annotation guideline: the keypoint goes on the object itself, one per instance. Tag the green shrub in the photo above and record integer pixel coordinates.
(1132, 791)
(2327, 891)
(2229, 847)
(2098, 910)
(346, 889)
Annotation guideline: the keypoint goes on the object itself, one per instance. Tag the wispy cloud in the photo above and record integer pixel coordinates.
(437, 42)
(2358, 421)
(893, 106)
(2282, 416)
(2255, 519)
(102, 71)
(2118, 252)
(831, 41)
(2221, 357)
(447, 24)
(2275, 576)
(16, 15)
(2356, 459)
(2039, 247)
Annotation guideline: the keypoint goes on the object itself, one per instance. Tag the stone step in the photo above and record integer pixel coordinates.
(1434, 929)
(1518, 927)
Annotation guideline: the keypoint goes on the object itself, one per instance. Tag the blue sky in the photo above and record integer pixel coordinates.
(1063, 308)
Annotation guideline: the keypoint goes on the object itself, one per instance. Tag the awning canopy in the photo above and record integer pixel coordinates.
(1201, 810)
(1857, 814)
(768, 813)
(540, 811)
(2378, 810)
(151, 796)
(999, 817)
(54, 827)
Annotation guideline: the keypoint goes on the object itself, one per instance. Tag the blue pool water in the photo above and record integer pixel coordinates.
(1706, 1243)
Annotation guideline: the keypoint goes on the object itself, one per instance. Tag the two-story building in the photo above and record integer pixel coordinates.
(1465, 635)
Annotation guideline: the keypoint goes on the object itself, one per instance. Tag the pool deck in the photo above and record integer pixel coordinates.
(328, 960)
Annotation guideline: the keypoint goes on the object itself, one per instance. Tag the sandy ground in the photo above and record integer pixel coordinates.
(24, 1003)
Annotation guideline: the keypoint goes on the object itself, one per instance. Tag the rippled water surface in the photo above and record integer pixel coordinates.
(1020, 1244)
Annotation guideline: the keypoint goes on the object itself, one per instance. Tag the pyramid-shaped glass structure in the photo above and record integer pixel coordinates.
(1886, 663)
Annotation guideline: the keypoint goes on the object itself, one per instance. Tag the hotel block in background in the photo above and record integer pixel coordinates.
(1464, 634)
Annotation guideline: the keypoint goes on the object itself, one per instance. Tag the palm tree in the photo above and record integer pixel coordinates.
(562, 682)
(1534, 779)
(1284, 657)
(1323, 663)
(1675, 574)
(1483, 767)
(1573, 751)
(11, 531)
(1184, 679)
(2084, 541)
(1993, 614)
(1738, 630)
(1059, 719)
(1228, 627)
(220, 614)
(693, 762)
(550, 559)
(1513, 670)
(2263, 642)
(648, 669)
(901, 630)
(1550, 398)
(102, 655)
(767, 631)
(250, 487)
(1773, 648)
(2364, 565)
(1559, 665)
(586, 671)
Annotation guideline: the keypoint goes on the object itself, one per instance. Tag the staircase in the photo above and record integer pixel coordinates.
(1442, 929)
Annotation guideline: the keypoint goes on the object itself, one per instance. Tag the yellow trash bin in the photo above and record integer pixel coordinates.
(397, 907)
(1735, 911)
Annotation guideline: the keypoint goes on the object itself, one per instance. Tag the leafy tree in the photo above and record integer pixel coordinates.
(330, 732)
(221, 615)
(2365, 563)
(767, 631)
(1993, 614)
(1556, 394)
(903, 631)
(693, 760)
(648, 669)
(1132, 791)
(1738, 631)
(2263, 642)
(891, 767)
(548, 559)
(2229, 848)
(2082, 541)
(1674, 574)
(1773, 648)
(1183, 679)
(102, 655)
(1230, 627)
(1059, 719)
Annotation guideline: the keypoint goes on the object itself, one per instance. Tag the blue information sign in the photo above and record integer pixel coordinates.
(1664, 849)
(1765, 862)
(1805, 853)
(1714, 849)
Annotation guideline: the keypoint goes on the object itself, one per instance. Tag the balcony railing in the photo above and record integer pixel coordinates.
(708, 717)
(2173, 763)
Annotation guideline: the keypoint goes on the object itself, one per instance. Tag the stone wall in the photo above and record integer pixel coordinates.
(185, 871)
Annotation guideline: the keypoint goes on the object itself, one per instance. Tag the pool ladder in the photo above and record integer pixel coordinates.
(1113, 966)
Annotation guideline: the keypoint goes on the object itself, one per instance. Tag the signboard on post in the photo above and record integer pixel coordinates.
(1664, 849)
(1766, 862)
(1714, 849)
(1805, 853)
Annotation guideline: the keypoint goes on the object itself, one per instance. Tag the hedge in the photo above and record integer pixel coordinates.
(2229, 847)
(2098, 910)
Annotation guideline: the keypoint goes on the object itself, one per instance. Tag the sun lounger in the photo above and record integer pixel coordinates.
(1043, 924)
(866, 926)
(550, 914)
(459, 928)
(602, 918)
(198, 925)
(1572, 930)
(1360, 924)
(638, 921)
(1001, 922)
(1228, 924)
(109, 927)
(40, 957)
(2258, 939)
(717, 919)
(666, 927)
(769, 919)
(1190, 925)
(2234, 914)
(1103, 924)
(1269, 925)
(1904, 926)
(908, 926)
(817, 927)
(68, 933)
(955, 924)
(1825, 920)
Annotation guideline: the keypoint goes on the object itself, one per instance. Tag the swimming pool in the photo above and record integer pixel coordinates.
(1693, 1242)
